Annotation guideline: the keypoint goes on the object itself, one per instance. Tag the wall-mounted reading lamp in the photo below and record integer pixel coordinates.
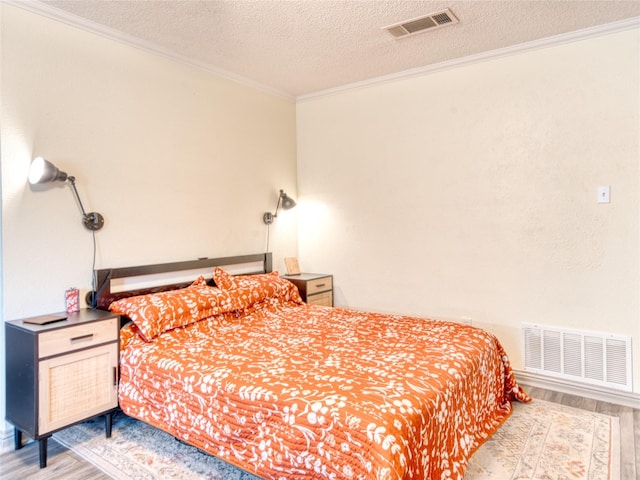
(283, 200)
(43, 171)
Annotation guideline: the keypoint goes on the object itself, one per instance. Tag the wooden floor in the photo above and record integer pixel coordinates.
(64, 464)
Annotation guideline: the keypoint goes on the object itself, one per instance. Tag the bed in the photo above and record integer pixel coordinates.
(246, 371)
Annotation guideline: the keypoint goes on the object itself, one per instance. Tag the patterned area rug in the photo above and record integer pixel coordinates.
(540, 440)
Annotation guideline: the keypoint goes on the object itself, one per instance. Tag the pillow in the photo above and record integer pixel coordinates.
(199, 282)
(255, 288)
(156, 313)
(226, 281)
(223, 279)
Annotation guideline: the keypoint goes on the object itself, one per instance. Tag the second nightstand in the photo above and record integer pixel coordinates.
(60, 374)
(315, 288)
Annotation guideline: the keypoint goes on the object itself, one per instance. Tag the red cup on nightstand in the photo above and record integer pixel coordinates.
(72, 300)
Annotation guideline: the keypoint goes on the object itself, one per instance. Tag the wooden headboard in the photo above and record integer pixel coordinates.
(163, 276)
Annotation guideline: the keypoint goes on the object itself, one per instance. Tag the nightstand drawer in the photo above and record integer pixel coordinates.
(74, 338)
(319, 285)
(324, 299)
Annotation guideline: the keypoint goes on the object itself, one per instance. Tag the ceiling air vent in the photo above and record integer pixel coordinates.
(422, 24)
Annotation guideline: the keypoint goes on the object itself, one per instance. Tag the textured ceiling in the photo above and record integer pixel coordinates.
(299, 47)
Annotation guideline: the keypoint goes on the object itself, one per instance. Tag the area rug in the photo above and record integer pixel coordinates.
(540, 440)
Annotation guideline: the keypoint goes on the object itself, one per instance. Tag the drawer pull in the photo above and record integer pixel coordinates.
(82, 338)
(115, 376)
(320, 285)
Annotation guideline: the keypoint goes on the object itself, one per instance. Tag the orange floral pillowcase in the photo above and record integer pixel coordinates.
(256, 287)
(226, 281)
(156, 313)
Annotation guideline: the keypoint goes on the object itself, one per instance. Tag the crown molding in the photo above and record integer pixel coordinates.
(61, 16)
(578, 35)
(45, 10)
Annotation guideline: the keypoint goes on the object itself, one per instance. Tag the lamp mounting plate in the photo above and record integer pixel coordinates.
(268, 218)
(93, 221)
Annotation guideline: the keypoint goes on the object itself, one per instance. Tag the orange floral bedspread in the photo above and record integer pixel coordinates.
(287, 390)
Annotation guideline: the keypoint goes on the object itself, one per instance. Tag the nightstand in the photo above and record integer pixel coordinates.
(61, 373)
(315, 288)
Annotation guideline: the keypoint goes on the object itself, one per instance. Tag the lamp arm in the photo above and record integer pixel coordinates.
(277, 206)
(72, 180)
(91, 221)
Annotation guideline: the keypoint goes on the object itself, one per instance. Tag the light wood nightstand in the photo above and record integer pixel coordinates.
(61, 373)
(314, 288)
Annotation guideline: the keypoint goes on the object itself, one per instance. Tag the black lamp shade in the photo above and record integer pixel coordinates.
(43, 171)
(287, 202)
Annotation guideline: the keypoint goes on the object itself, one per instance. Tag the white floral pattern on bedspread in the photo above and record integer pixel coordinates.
(292, 391)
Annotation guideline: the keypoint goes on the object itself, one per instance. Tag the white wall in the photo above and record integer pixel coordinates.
(472, 192)
(466, 193)
(181, 163)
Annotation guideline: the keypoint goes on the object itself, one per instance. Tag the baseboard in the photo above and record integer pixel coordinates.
(6, 440)
(626, 399)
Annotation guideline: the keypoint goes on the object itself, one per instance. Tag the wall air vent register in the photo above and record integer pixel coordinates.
(588, 357)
